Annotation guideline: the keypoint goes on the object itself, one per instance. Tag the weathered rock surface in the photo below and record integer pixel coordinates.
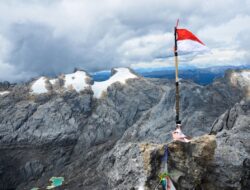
(138, 165)
(4, 85)
(73, 134)
(230, 169)
(188, 162)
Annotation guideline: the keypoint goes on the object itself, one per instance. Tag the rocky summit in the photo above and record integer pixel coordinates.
(114, 134)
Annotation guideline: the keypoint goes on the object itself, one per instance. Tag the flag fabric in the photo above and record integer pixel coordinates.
(188, 42)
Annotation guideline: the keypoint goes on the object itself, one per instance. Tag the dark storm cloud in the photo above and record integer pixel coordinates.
(36, 49)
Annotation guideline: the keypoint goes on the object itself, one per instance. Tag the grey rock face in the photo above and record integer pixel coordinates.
(74, 135)
(188, 162)
(200, 106)
(124, 167)
(245, 179)
(230, 169)
(137, 165)
(4, 85)
(32, 170)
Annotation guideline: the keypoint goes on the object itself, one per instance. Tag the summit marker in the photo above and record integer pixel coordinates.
(184, 41)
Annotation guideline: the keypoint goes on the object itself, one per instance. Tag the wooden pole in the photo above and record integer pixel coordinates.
(177, 96)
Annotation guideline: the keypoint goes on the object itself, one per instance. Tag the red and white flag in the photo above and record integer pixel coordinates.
(188, 42)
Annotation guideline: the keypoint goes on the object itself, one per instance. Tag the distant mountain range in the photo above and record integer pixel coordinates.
(202, 76)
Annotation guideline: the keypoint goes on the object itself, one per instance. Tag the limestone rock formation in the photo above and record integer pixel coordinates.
(4, 85)
(230, 169)
(138, 165)
(86, 139)
(188, 162)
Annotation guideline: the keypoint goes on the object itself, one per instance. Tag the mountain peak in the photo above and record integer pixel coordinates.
(242, 79)
(79, 81)
(118, 75)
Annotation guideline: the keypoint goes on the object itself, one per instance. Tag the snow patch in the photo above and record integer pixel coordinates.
(241, 78)
(4, 93)
(246, 75)
(121, 76)
(79, 81)
(53, 81)
(76, 81)
(39, 86)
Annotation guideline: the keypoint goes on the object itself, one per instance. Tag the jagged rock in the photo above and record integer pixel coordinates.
(135, 166)
(32, 170)
(4, 85)
(241, 79)
(230, 169)
(188, 162)
(245, 179)
(72, 133)
(124, 167)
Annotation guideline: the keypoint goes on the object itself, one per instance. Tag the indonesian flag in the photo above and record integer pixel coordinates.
(188, 42)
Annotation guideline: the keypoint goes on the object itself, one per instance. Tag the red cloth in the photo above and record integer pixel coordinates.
(168, 183)
(184, 34)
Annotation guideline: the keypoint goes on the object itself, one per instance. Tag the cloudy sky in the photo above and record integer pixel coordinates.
(54, 36)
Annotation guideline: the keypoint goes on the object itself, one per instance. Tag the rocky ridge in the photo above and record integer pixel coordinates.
(75, 135)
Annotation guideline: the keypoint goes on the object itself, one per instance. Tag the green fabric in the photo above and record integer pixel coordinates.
(55, 182)
(163, 180)
(163, 175)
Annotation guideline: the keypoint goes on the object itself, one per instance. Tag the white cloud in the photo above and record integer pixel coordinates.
(227, 33)
(55, 36)
(219, 57)
(146, 47)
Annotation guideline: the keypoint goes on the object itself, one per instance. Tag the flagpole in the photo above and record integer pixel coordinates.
(177, 96)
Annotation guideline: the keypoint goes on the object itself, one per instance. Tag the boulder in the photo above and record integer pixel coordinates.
(188, 162)
(138, 165)
(230, 168)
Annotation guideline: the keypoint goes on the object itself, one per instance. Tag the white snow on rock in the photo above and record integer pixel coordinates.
(38, 87)
(53, 81)
(242, 79)
(2, 93)
(246, 75)
(121, 76)
(76, 81)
